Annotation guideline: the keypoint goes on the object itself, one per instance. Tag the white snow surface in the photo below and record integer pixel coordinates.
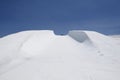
(42, 55)
(117, 37)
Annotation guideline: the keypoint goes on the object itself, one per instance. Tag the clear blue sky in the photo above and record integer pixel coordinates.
(60, 15)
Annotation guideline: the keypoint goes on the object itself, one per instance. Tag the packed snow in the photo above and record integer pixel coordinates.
(42, 55)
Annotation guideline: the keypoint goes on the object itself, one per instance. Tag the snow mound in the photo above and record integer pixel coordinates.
(15, 48)
(42, 55)
(37, 42)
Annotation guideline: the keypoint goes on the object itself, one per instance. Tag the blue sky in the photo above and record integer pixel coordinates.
(60, 15)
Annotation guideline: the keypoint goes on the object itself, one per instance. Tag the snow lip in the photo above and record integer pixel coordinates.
(49, 31)
(29, 31)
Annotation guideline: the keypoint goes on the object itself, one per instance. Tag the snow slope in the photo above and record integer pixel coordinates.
(42, 55)
(117, 37)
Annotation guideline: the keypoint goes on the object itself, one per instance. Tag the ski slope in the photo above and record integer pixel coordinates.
(42, 55)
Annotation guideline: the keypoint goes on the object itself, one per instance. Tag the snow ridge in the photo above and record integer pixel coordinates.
(42, 55)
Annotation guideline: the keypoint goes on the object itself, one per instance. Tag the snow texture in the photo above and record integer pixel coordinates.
(42, 55)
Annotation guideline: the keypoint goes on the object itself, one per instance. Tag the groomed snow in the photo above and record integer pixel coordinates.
(42, 55)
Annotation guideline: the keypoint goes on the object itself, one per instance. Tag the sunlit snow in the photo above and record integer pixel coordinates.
(42, 55)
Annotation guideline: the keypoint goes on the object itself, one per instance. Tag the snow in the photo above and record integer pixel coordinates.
(117, 37)
(42, 55)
